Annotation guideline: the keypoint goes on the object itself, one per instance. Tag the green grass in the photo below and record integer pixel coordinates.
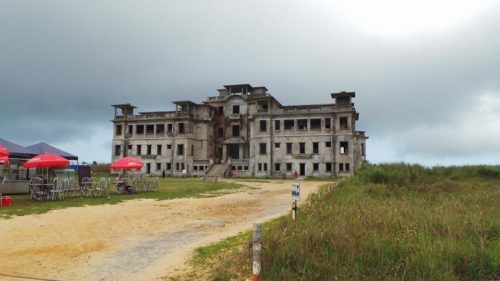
(169, 188)
(390, 222)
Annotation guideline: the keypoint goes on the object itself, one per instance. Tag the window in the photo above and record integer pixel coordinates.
(118, 130)
(263, 126)
(277, 124)
(180, 128)
(192, 150)
(362, 149)
(288, 167)
(328, 166)
(131, 129)
(129, 147)
(315, 167)
(277, 167)
(177, 166)
(148, 149)
(315, 147)
(263, 148)
(265, 167)
(148, 168)
(221, 132)
(118, 149)
(220, 110)
(169, 166)
(302, 124)
(195, 168)
(259, 167)
(139, 129)
(263, 106)
(328, 144)
(316, 124)
(343, 123)
(341, 167)
(302, 147)
(289, 124)
(150, 129)
(170, 128)
(139, 149)
(236, 130)
(288, 148)
(180, 149)
(169, 146)
(344, 147)
(277, 145)
(160, 128)
(347, 167)
(158, 166)
(328, 123)
(158, 149)
(236, 109)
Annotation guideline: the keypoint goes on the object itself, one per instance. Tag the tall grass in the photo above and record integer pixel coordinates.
(390, 222)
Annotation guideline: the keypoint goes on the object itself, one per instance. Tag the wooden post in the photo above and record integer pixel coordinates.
(257, 251)
(294, 209)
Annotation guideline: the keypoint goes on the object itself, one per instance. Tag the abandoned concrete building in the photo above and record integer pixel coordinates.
(243, 131)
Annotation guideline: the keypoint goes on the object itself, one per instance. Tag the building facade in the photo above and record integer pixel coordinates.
(245, 130)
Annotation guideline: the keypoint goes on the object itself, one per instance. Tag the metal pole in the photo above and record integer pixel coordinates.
(257, 251)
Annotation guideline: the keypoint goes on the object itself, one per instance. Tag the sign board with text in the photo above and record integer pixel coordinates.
(296, 191)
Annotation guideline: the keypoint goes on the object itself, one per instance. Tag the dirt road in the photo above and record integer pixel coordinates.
(134, 240)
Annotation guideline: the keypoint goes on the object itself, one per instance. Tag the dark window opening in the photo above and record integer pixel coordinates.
(129, 147)
(160, 128)
(220, 110)
(316, 124)
(169, 166)
(315, 147)
(192, 150)
(118, 130)
(265, 167)
(180, 149)
(341, 167)
(236, 109)
(277, 145)
(327, 123)
(150, 129)
(118, 149)
(158, 166)
(139, 149)
(263, 148)
(259, 167)
(288, 148)
(148, 149)
(347, 167)
(263, 106)
(328, 167)
(302, 124)
(315, 167)
(130, 129)
(288, 167)
(169, 146)
(289, 124)
(170, 128)
(180, 128)
(343, 123)
(302, 147)
(139, 129)
(344, 147)
(221, 132)
(363, 149)
(328, 144)
(148, 168)
(263, 125)
(277, 167)
(236, 130)
(277, 124)
(158, 149)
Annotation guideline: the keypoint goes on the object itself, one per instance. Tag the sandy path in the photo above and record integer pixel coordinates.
(134, 240)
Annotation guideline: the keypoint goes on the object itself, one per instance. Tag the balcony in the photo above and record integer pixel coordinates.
(235, 116)
(302, 156)
(148, 156)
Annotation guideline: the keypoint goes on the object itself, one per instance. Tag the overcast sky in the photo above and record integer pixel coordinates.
(426, 73)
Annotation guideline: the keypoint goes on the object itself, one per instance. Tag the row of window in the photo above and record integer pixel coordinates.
(262, 167)
(303, 124)
(179, 166)
(151, 129)
(149, 149)
(344, 147)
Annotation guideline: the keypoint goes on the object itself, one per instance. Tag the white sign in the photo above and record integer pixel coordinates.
(296, 191)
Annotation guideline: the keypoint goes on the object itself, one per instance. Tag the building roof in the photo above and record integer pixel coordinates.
(184, 102)
(123, 105)
(343, 94)
(43, 147)
(17, 151)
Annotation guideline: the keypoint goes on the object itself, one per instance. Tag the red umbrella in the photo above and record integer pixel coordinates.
(46, 161)
(4, 151)
(126, 163)
(4, 160)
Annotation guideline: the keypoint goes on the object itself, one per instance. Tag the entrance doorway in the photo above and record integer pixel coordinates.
(233, 151)
(302, 169)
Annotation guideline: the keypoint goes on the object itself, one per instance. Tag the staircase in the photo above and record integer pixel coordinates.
(217, 170)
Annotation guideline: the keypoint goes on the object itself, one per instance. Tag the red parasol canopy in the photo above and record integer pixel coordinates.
(126, 163)
(4, 160)
(4, 151)
(46, 161)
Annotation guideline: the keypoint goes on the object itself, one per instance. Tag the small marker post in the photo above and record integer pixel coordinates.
(257, 251)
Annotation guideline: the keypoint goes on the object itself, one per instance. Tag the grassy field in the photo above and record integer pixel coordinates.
(390, 222)
(169, 188)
